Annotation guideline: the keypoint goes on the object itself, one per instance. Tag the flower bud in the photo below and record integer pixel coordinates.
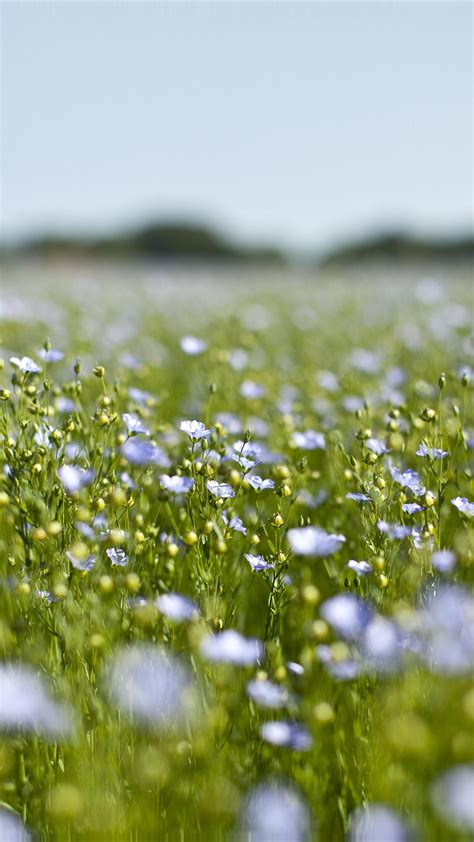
(320, 629)
(430, 499)
(172, 550)
(428, 414)
(311, 594)
(324, 713)
(132, 582)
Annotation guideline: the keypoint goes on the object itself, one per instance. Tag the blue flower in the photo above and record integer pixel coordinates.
(273, 811)
(443, 560)
(196, 430)
(192, 346)
(142, 452)
(139, 395)
(51, 356)
(375, 823)
(309, 440)
(83, 564)
(74, 478)
(177, 607)
(310, 540)
(359, 498)
(249, 389)
(149, 684)
(412, 508)
(268, 695)
(26, 365)
(246, 464)
(176, 484)
(376, 446)
(347, 614)
(394, 531)
(230, 647)
(220, 490)
(431, 452)
(463, 505)
(362, 568)
(117, 557)
(365, 361)
(234, 523)
(452, 796)
(258, 563)
(134, 425)
(259, 484)
(285, 734)
(408, 479)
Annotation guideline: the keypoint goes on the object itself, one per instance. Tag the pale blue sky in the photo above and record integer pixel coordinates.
(301, 122)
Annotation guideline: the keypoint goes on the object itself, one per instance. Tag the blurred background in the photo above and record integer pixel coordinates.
(271, 132)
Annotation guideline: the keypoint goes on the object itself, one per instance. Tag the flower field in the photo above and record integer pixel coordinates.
(236, 556)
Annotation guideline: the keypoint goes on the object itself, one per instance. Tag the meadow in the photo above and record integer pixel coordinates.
(236, 557)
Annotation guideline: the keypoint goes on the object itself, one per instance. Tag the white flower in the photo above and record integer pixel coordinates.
(26, 365)
(221, 490)
(230, 647)
(310, 540)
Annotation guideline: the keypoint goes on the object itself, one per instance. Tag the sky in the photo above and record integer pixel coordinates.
(301, 123)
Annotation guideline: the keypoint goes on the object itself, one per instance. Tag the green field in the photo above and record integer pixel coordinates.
(258, 626)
